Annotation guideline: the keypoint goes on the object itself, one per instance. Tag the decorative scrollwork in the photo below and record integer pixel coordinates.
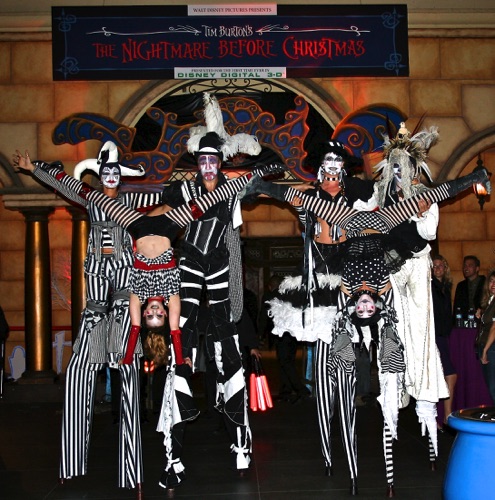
(172, 29)
(65, 22)
(241, 115)
(391, 19)
(69, 66)
(363, 130)
(394, 62)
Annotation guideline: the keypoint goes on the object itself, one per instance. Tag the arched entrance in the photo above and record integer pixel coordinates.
(330, 107)
(263, 256)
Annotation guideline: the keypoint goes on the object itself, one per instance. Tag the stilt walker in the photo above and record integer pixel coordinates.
(105, 323)
(401, 169)
(178, 405)
(318, 291)
(365, 285)
(210, 255)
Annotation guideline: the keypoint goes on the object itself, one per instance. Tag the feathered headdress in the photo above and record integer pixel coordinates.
(408, 152)
(210, 144)
(231, 144)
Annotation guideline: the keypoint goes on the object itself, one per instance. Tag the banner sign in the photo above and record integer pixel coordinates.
(229, 41)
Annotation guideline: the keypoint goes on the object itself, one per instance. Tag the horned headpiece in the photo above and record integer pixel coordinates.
(108, 156)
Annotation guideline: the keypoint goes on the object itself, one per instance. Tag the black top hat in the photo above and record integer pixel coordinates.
(210, 144)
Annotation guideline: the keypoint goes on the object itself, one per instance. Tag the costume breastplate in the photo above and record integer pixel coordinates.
(206, 235)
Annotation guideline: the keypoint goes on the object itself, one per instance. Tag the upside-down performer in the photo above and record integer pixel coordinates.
(365, 297)
(178, 405)
(155, 275)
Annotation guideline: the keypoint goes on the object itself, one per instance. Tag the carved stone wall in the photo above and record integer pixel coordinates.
(452, 80)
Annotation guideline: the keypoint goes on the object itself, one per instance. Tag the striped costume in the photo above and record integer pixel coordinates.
(205, 261)
(178, 405)
(103, 331)
(366, 240)
(335, 386)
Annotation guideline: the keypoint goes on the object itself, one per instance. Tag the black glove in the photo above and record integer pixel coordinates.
(273, 169)
(478, 176)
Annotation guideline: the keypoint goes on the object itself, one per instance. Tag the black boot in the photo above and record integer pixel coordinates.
(478, 176)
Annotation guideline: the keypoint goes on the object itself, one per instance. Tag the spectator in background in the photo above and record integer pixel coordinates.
(469, 292)
(441, 289)
(486, 341)
(292, 388)
(250, 301)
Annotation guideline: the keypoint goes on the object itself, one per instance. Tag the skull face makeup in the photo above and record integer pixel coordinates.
(331, 167)
(110, 176)
(209, 166)
(397, 173)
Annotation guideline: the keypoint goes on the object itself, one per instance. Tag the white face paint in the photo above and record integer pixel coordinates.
(331, 166)
(365, 306)
(397, 172)
(396, 159)
(110, 177)
(209, 166)
(154, 313)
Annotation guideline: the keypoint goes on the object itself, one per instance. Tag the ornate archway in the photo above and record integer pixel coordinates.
(476, 144)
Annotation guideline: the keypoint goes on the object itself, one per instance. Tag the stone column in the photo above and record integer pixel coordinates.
(37, 297)
(80, 231)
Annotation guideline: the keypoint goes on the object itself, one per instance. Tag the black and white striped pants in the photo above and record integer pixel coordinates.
(81, 375)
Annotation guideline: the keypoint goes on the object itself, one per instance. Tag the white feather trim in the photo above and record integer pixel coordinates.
(287, 318)
(291, 283)
(213, 116)
(241, 143)
(194, 138)
(232, 145)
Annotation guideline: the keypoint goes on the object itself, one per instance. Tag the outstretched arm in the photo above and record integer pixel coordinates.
(334, 213)
(383, 220)
(193, 210)
(178, 217)
(403, 210)
(49, 174)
